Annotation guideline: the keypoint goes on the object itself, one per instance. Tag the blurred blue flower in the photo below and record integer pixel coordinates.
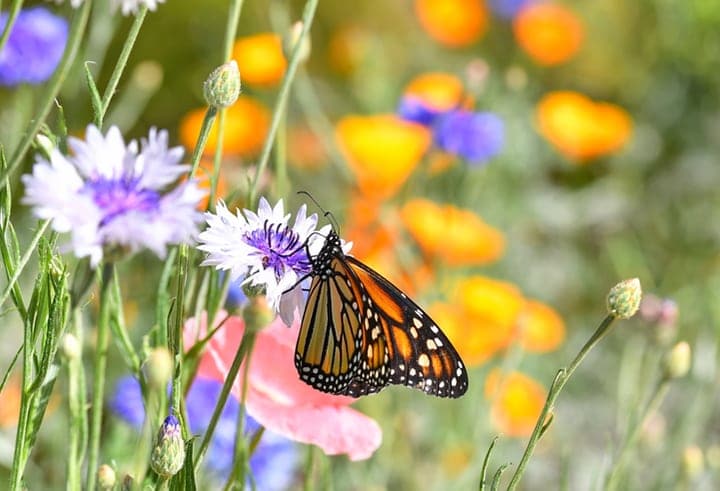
(273, 461)
(476, 137)
(34, 48)
(508, 9)
(413, 109)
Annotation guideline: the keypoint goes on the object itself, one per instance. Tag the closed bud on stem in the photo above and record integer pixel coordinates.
(70, 347)
(291, 39)
(127, 483)
(677, 361)
(159, 368)
(624, 299)
(168, 455)
(106, 477)
(693, 461)
(222, 87)
(257, 314)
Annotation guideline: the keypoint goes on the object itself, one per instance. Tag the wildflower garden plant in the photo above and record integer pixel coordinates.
(235, 237)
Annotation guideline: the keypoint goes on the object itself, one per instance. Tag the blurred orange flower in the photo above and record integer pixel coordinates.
(305, 150)
(246, 125)
(580, 128)
(549, 33)
(382, 150)
(10, 407)
(541, 328)
(260, 58)
(481, 317)
(455, 23)
(440, 91)
(517, 401)
(457, 236)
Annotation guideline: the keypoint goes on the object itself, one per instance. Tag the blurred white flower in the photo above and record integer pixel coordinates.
(109, 195)
(127, 6)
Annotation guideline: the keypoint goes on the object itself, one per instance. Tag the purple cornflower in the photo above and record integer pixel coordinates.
(115, 197)
(34, 48)
(508, 9)
(263, 249)
(476, 137)
(415, 110)
(273, 461)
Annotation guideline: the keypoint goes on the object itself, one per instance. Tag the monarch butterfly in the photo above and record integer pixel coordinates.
(360, 333)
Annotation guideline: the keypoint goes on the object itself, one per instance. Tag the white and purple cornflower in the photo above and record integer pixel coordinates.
(34, 48)
(113, 197)
(264, 249)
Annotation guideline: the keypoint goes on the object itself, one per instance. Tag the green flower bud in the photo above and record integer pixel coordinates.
(677, 361)
(168, 455)
(159, 368)
(624, 299)
(257, 314)
(70, 347)
(106, 477)
(222, 87)
(291, 39)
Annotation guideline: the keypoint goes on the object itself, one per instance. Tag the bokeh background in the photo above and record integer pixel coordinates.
(608, 169)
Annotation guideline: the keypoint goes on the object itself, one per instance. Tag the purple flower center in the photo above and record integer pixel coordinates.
(280, 247)
(117, 197)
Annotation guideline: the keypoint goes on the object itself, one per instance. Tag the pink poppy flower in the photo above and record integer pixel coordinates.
(276, 396)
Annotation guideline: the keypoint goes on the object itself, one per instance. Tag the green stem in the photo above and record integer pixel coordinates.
(77, 30)
(120, 331)
(309, 463)
(241, 464)
(175, 332)
(281, 103)
(121, 63)
(20, 266)
(100, 365)
(658, 395)
(76, 408)
(561, 379)
(202, 139)
(10, 22)
(224, 394)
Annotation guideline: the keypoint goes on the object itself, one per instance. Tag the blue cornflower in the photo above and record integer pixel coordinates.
(264, 249)
(508, 9)
(273, 461)
(34, 48)
(416, 110)
(112, 196)
(476, 137)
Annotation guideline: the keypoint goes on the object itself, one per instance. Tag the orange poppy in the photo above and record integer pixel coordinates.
(517, 401)
(246, 125)
(580, 128)
(439, 91)
(458, 236)
(541, 328)
(454, 23)
(549, 33)
(260, 59)
(382, 151)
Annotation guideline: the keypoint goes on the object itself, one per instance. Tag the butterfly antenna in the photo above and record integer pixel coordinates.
(326, 213)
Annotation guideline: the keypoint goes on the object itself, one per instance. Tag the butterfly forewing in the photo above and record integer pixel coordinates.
(360, 333)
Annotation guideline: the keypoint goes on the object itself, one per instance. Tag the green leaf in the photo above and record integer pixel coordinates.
(95, 99)
(185, 479)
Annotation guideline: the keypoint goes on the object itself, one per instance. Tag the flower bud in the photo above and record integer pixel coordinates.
(70, 346)
(292, 38)
(168, 455)
(693, 461)
(222, 87)
(677, 361)
(106, 477)
(127, 483)
(257, 314)
(624, 299)
(159, 368)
